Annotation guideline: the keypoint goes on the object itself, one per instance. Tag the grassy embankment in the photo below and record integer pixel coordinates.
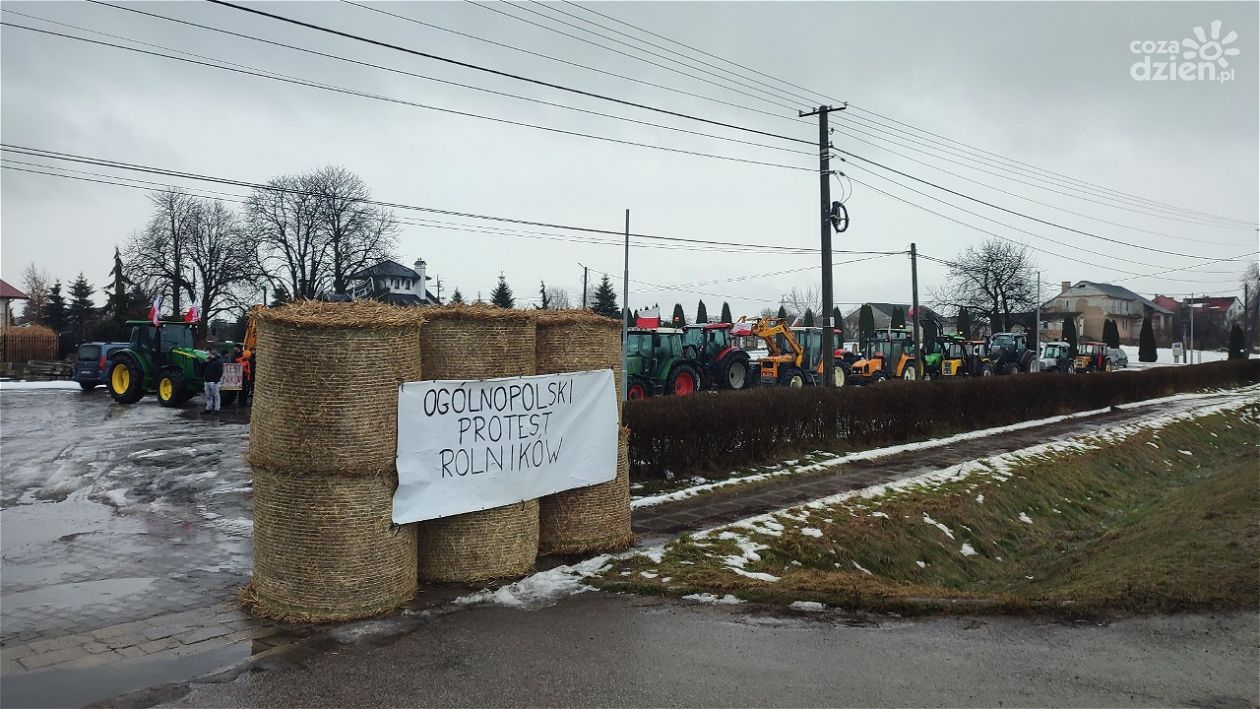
(1156, 519)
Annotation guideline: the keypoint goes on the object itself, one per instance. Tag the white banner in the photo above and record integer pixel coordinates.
(232, 377)
(468, 445)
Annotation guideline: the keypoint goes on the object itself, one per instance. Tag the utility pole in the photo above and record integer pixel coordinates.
(439, 289)
(625, 307)
(824, 222)
(1036, 348)
(1190, 307)
(584, 270)
(914, 308)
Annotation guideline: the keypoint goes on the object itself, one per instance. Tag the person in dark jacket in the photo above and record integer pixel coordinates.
(213, 374)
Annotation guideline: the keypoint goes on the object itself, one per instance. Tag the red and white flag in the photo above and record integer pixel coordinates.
(193, 314)
(155, 310)
(648, 318)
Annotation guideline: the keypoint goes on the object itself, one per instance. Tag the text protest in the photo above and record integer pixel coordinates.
(471, 445)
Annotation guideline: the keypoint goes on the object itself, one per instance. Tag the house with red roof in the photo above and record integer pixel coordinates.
(8, 294)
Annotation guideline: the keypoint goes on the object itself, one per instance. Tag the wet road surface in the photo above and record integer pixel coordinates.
(601, 650)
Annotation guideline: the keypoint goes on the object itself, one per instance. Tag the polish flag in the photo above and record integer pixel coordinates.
(742, 329)
(155, 310)
(648, 318)
(193, 314)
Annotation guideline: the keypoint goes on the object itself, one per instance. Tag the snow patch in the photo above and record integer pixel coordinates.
(967, 550)
(921, 564)
(812, 532)
(758, 575)
(928, 520)
(863, 569)
(727, 600)
(1023, 517)
(980, 498)
(808, 606)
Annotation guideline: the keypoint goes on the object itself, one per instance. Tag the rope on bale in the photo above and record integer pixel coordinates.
(578, 341)
(478, 342)
(480, 546)
(326, 389)
(590, 519)
(326, 549)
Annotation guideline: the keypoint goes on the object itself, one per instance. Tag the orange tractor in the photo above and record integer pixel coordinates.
(889, 355)
(791, 363)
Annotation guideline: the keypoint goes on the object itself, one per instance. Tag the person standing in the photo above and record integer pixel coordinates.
(213, 374)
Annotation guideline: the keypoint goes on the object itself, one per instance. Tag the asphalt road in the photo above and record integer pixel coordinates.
(600, 650)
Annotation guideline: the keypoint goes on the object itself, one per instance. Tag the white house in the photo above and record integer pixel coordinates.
(393, 283)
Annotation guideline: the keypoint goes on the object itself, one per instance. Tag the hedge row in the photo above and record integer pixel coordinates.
(722, 432)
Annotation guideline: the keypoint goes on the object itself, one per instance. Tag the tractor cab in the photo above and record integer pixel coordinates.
(1092, 357)
(1056, 357)
(948, 359)
(656, 364)
(977, 360)
(810, 340)
(721, 362)
(888, 354)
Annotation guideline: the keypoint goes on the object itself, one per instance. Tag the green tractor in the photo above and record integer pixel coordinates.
(656, 364)
(158, 359)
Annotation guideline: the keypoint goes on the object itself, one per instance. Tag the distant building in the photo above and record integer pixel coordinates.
(883, 313)
(393, 283)
(1228, 308)
(1094, 303)
(8, 294)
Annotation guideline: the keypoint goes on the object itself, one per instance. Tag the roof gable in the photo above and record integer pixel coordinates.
(8, 291)
(385, 268)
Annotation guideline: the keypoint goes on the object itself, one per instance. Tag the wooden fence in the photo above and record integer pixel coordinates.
(21, 344)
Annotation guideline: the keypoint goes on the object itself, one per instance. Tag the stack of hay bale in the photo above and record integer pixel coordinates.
(478, 342)
(594, 518)
(322, 447)
(323, 441)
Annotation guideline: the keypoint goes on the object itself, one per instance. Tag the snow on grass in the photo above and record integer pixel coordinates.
(1152, 444)
(1186, 453)
(546, 587)
(928, 520)
(727, 600)
(757, 575)
(807, 606)
(812, 532)
(863, 569)
(1023, 517)
(922, 564)
(980, 498)
(880, 514)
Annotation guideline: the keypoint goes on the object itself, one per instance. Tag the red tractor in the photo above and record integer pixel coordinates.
(722, 364)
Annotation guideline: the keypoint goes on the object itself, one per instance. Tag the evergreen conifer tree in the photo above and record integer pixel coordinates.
(963, 323)
(605, 302)
(726, 313)
(898, 317)
(502, 294)
(678, 319)
(702, 314)
(866, 322)
(81, 311)
(55, 310)
(1146, 342)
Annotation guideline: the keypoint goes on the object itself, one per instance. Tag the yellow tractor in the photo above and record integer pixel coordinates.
(889, 354)
(788, 364)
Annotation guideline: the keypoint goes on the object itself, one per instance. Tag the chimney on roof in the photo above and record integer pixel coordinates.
(1064, 285)
(419, 269)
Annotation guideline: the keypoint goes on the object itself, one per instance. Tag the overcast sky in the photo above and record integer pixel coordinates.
(1045, 84)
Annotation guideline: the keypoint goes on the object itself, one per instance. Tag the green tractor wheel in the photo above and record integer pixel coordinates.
(171, 388)
(126, 381)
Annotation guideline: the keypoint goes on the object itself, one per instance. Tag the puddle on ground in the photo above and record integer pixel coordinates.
(66, 596)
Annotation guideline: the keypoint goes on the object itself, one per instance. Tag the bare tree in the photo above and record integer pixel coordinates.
(157, 257)
(558, 299)
(356, 234)
(284, 221)
(798, 300)
(220, 254)
(995, 277)
(36, 282)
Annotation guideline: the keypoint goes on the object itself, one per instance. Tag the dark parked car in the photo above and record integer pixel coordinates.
(89, 363)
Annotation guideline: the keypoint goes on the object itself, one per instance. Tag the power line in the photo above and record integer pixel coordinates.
(823, 97)
(380, 67)
(389, 99)
(497, 72)
(1042, 187)
(778, 96)
(578, 65)
(1015, 212)
(102, 162)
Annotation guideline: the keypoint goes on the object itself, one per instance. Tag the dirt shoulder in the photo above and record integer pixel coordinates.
(1154, 516)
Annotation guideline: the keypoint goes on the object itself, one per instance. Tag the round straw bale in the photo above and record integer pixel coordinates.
(476, 342)
(326, 388)
(578, 341)
(325, 547)
(588, 519)
(479, 546)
